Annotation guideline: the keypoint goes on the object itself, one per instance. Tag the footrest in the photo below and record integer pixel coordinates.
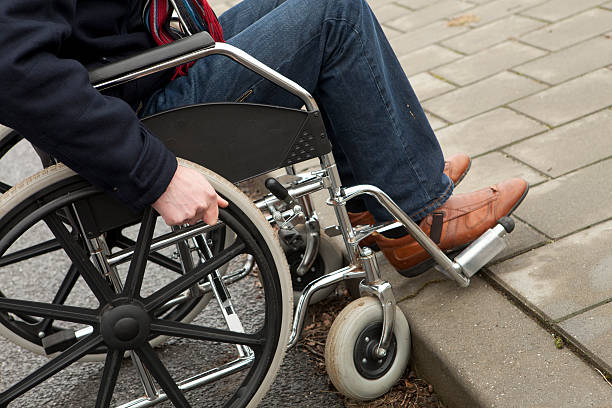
(59, 341)
(485, 248)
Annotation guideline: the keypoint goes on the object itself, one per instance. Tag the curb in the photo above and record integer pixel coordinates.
(478, 349)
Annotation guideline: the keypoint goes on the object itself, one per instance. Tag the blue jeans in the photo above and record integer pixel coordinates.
(337, 51)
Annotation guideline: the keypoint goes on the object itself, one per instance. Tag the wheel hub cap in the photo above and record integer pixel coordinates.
(125, 326)
(364, 357)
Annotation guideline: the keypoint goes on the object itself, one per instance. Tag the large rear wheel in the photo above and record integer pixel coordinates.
(230, 351)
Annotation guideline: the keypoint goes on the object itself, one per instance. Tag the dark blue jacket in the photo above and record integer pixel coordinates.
(46, 47)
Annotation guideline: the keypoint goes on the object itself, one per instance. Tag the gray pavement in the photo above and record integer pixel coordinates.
(525, 88)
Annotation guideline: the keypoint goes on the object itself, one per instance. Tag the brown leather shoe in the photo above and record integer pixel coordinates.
(456, 167)
(463, 218)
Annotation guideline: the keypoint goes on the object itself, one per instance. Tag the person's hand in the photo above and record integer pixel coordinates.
(188, 199)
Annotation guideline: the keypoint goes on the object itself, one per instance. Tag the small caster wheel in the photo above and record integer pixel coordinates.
(349, 350)
(329, 259)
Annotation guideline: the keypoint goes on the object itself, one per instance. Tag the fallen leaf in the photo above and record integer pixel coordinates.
(463, 20)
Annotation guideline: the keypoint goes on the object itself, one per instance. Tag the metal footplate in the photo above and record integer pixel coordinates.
(479, 253)
(485, 248)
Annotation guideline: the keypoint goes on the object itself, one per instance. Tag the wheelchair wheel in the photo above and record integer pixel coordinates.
(234, 367)
(29, 336)
(27, 332)
(349, 359)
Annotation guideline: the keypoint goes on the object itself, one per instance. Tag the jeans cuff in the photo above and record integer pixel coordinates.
(434, 204)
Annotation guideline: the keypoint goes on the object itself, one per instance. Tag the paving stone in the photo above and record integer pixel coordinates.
(554, 10)
(523, 238)
(426, 58)
(427, 86)
(569, 100)
(435, 122)
(593, 329)
(570, 62)
(390, 32)
(424, 36)
(572, 30)
(375, 4)
(498, 9)
(415, 4)
(487, 132)
(491, 34)
(488, 62)
(587, 139)
(389, 12)
(429, 14)
(563, 277)
(494, 167)
(478, 350)
(570, 203)
(482, 96)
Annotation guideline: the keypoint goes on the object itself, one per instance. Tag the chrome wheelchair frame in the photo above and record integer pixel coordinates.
(286, 207)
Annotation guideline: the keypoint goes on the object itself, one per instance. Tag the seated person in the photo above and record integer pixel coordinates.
(334, 49)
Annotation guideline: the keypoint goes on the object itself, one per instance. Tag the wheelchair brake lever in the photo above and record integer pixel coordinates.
(280, 192)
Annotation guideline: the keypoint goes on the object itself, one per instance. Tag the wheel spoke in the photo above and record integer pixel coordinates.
(124, 242)
(177, 329)
(56, 312)
(165, 262)
(79, 258)
(62, 293)
(4, 187)
(31, 252)
(75, 352)
(172, 289)
(109, 378)
(161, 374)
(133, 282)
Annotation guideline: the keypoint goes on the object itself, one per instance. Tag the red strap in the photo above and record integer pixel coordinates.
(158, 13)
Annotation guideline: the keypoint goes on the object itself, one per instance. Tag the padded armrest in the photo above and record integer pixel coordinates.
(151, 57)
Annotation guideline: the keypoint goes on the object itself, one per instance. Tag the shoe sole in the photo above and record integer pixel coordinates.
(465, 172)
(424, 266)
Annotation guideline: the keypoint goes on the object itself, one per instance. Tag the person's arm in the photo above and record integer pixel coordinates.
(50, 101)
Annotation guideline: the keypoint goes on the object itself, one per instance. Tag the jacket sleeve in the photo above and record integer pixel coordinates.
(50, 101)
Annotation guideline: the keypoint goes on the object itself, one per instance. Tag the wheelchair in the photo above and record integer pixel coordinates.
(87, 279)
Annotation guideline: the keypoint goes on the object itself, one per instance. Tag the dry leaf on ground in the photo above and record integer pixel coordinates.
(463, 20)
